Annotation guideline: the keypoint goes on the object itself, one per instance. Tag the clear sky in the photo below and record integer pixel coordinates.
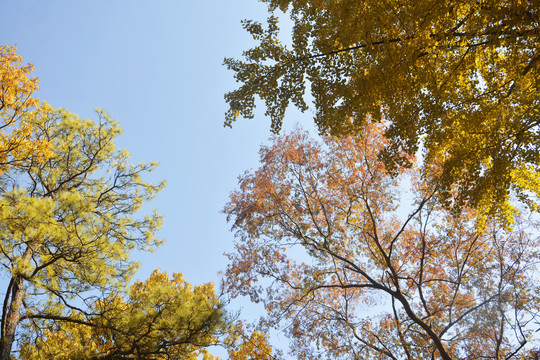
(156, 68)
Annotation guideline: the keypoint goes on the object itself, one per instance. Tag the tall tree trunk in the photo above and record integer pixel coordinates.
(11, 310)
(13, 316)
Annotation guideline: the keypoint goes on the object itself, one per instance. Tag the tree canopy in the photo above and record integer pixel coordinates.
(161, 318)
(68, 224)
(457, 79)
(323, 243)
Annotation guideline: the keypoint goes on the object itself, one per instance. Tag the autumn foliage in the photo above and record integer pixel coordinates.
(68, 224)
(241, 344)
(160, 318)
(17, 105)
(458, 79)
(324, 243)
(70, 219)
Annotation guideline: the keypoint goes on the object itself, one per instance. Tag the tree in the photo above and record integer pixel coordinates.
(69, 224)
(161, 318)
(17, 103)
(459, 79)
(322, 242)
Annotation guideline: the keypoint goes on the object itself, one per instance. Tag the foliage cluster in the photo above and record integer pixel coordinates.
(459, 79)
(161, 318)
(17, 105)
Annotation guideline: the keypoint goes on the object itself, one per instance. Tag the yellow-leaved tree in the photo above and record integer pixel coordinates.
(68, 226)
(160, 318)
(459, 79)
(17, 105)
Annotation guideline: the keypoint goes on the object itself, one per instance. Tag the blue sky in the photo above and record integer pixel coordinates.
(155, 67)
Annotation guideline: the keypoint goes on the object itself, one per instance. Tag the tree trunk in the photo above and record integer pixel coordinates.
(11, 313)
(12, 318)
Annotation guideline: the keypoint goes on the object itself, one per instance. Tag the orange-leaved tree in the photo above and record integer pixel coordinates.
(323, 242)
(17, 106)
